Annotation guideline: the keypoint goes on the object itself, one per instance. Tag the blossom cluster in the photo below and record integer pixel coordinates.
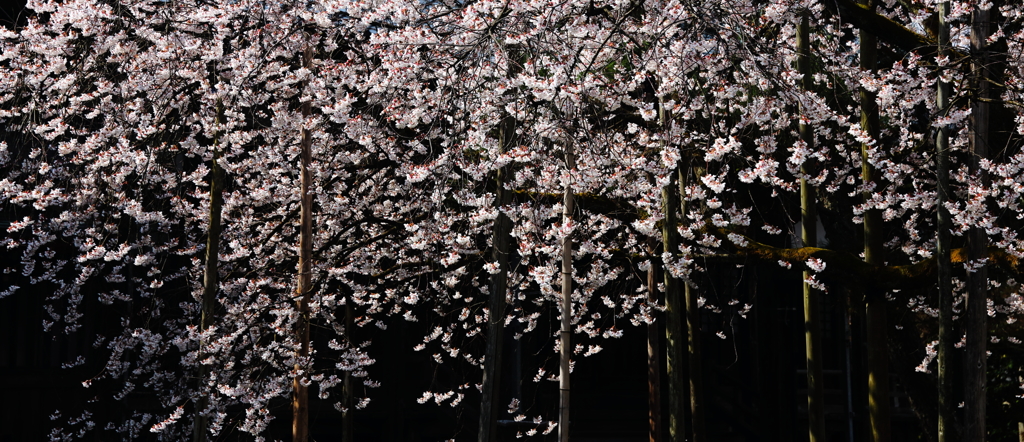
(430, 123)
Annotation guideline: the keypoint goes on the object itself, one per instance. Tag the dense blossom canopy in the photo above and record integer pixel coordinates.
(115, 110)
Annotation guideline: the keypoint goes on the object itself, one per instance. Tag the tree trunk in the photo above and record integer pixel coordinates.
(695, 375)
(943, 256)
(348, 393)
(977, 302)
(848, 344)
(211, 278)
(878, 354)
(300, 399)
(653, 357)
(567, 273)
(499, 288)
(675, 329)
(675, 358)
(809, 234)
(501, 241)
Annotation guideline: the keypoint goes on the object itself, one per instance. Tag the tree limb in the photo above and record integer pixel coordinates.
(885, 29)
(846, 267)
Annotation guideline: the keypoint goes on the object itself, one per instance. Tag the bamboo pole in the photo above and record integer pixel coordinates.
(878, 353)
(809, 234)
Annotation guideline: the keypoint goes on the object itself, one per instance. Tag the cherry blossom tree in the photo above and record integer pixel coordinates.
(726, 72)
(274, 166)
(124, 122)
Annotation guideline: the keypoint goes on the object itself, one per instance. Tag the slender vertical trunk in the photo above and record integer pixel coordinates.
(653, 358)
(675, 358)
(210, 276)
(501, 241)
(878, 353)
(348, 394)
(977, 250)
(977, 334)
(567, 273)
(878, 368)
(675, 329)
(300, 399)
(696, 374)
(848, 338)
(678, 363)
(499, 288)
(809, 234)
(943, 238)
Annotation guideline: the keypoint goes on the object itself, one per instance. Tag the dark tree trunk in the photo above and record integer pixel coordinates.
(653, 359)
(348, 393)
(809, 234)
(977, 308)
(499, 288)
(696, 374)
(877, 328)
(696, 380)
(675, 359)
(211, 279)
(946, 432)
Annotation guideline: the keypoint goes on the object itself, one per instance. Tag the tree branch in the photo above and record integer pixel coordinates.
(846, 267)
(885, 29)
(610, 207)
